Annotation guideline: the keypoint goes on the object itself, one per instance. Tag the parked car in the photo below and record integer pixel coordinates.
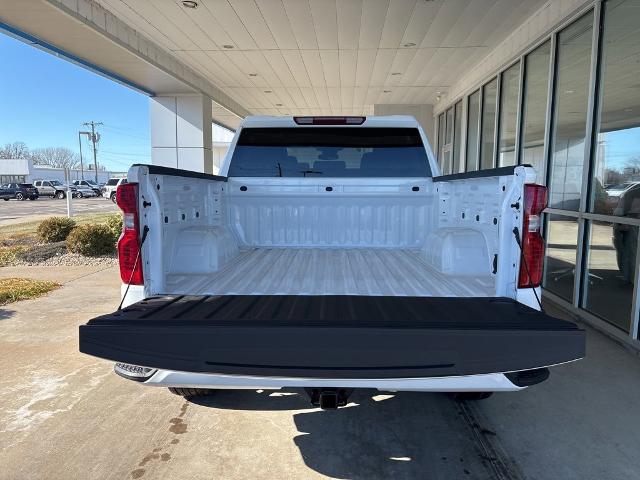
(52, 188)
(89, 184)
(19, 191)
(109, 189)
(84, 191)
(330, 255)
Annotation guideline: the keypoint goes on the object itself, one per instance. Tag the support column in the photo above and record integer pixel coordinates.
(423, 113)
(181, 132)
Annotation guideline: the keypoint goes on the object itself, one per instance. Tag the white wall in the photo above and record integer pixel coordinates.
(422, 113)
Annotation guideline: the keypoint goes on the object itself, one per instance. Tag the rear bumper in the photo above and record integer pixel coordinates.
(493, 382)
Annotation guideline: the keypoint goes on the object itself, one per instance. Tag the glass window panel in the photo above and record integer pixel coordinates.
(534, 110)
(610, 272)
(473, 121)
(616, 182)
(509, 89)
(571, 97)
(449, 129)
(560, 267)
(489, 93)
(457, 136)
(441, 125)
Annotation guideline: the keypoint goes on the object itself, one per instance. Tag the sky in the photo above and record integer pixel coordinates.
(44, 100)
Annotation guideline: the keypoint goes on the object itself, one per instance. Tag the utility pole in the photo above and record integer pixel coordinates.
(94, 138)
(88, 134)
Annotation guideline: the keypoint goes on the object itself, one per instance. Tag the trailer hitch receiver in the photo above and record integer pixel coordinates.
(329, 398)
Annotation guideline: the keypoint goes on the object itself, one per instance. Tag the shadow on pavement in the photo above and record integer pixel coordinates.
(5, 313)
(378, 435)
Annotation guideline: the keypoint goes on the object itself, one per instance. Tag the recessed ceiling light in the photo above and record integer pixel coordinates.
(189, 4)
(569, 91)
(227, 46)
(410, 44)
(253, 74)
(268, 91)
(438, 92)
(396, 73)
(279, 105)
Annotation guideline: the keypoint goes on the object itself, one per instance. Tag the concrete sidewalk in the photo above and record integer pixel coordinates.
(66, 415)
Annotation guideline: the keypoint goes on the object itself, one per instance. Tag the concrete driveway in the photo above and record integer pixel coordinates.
(15, 211)
(66, 415)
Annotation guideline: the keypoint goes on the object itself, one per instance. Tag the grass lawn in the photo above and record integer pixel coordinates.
(15, 289)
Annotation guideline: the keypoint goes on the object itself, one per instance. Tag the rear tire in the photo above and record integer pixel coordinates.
(60, 195)
(79, 195)
(6, 199)
(472, 396)
(19, 196)
(191, 392)
(113, 197)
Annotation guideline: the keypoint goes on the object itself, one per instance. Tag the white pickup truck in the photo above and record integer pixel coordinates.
(329, 254)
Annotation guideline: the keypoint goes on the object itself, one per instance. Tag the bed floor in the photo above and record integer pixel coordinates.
(325, 271)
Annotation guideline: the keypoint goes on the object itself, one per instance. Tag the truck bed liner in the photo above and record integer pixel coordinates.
(331, 271)
(333, 336)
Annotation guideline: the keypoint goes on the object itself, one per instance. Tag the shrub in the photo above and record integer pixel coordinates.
(55, 229)
(114, 222)
(91, 240)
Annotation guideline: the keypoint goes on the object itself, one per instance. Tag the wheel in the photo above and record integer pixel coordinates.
(79, 195)
(113, 197)
(6, 199)
(19, 196)
(60, 195)
(472, 396)
(191, 392)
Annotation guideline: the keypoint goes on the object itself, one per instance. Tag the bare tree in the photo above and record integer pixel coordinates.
(14, 150)
(58, 157)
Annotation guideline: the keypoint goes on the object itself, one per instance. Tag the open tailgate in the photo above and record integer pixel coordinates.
(332, 336)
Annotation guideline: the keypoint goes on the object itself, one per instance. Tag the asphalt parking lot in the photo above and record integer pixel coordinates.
(66, 415)
(15, 211)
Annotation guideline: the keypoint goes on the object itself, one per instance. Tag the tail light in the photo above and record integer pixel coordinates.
(129, 241)
(535, 201)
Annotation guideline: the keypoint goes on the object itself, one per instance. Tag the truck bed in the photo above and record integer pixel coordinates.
(333, 336)
(331, 271)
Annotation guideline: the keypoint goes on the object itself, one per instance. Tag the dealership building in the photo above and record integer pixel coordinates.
(22, 170)
(494, 83)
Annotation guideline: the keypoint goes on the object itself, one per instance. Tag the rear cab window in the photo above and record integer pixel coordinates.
(329, 152)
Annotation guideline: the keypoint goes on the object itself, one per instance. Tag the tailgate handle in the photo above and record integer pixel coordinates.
(495, 264)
